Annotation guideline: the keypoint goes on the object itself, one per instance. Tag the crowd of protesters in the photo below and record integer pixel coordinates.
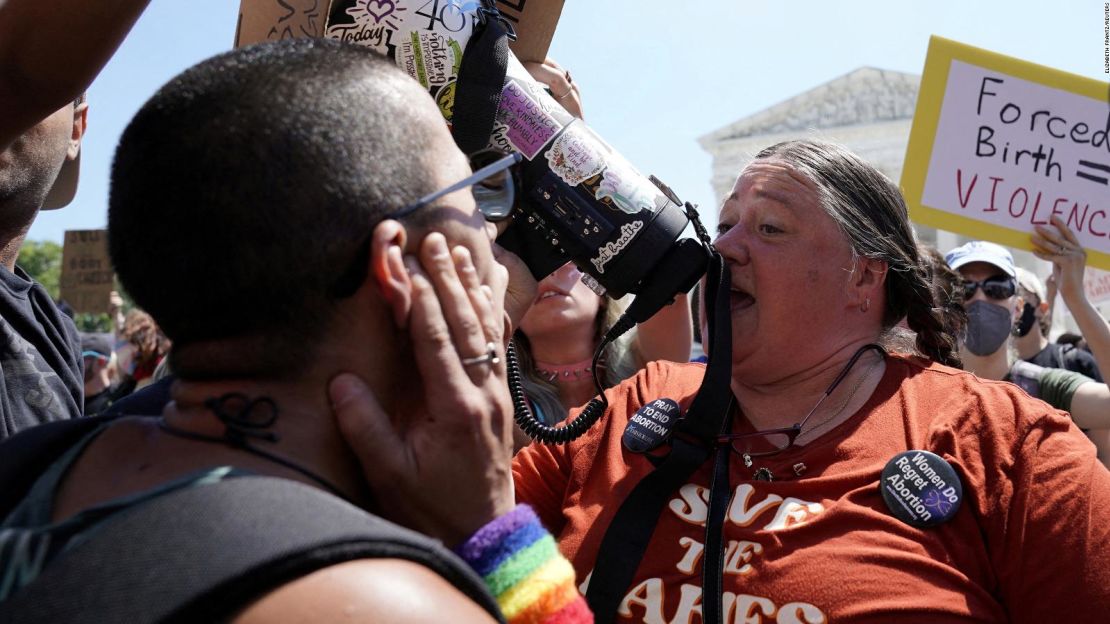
(335, 440)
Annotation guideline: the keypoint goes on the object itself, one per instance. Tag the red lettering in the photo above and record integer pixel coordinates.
(1057, 203)
(1036, 205)
(1091, 223)
(994, 186)
(960, 185)
(1024, 203)
(1077, 223)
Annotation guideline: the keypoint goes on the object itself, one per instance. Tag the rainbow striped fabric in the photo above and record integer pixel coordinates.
(523, 569)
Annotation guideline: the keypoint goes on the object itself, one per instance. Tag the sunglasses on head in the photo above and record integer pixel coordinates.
(997, 287)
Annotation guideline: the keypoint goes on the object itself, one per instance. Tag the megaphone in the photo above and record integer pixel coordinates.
(580, 200)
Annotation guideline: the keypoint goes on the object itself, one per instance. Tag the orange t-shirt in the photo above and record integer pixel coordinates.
(1030, 542)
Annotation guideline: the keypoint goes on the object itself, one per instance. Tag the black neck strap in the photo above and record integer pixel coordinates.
(625, 541)
(481, 79)
(713, 557)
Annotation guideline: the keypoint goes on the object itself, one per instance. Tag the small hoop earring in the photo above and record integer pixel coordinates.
(866, 305)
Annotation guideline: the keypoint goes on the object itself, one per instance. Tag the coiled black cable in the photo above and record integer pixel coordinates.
(589, 415)
(686, 263)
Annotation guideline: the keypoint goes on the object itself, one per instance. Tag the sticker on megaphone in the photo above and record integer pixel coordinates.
(581, 199)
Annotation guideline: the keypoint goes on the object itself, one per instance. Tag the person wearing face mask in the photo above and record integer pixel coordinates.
(990, 284)
(994, 314)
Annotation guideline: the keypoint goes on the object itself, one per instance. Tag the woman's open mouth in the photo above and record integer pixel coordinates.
(740, 300)
(548, 293)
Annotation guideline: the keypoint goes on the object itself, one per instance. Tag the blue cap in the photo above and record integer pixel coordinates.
(96, 344)
(981, 251)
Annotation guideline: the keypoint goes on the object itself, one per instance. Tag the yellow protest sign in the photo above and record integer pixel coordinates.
(999, 145)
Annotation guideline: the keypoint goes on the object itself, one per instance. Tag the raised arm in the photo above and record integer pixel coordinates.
(50, 52)
(1090, 406)
(1087, 400)
(1059, 246)
(669, 334)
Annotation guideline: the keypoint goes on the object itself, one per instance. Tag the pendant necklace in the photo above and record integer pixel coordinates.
(764, 473)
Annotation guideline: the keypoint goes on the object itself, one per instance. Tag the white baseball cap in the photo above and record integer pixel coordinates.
(981, 251)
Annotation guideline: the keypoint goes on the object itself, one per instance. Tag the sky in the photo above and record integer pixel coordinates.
(654, 75)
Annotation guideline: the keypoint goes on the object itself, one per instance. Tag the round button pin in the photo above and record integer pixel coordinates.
(921, 489)
(650, 426)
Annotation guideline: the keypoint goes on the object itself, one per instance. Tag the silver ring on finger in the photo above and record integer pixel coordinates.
(489, 357)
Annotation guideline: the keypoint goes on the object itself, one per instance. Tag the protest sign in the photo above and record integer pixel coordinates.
(1000, 145)
(87, 279)
(1097, 285)
(534, 22)
(274, 20)
(271, 20)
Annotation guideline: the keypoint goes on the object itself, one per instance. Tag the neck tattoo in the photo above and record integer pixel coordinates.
(247, 419)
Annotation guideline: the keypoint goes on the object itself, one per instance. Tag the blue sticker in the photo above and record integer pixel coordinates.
(921, 489)
(651, 425)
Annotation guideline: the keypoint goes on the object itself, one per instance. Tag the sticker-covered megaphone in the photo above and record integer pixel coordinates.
(579, 198)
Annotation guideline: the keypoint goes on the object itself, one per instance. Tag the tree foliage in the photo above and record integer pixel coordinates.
(42, 260)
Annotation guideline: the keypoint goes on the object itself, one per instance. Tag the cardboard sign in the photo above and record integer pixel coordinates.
(273, 20)
(87, 279)
(534, 22)
(1097, 285)
(1000, 145)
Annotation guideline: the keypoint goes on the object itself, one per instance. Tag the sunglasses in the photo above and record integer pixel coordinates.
(494, 192)
(997, 288)
(492, 186)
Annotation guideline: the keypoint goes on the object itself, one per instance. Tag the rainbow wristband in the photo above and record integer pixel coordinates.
(523, 569)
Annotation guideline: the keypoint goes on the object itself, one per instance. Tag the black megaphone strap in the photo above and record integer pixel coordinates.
(625, 541)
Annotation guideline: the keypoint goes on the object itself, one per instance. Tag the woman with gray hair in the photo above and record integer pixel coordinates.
(846, 483)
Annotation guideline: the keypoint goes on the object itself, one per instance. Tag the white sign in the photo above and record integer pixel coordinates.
(1014, 153)
(1000, 146)
(1097, 285)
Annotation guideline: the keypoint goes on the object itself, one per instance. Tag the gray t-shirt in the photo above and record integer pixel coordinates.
(40, 357)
